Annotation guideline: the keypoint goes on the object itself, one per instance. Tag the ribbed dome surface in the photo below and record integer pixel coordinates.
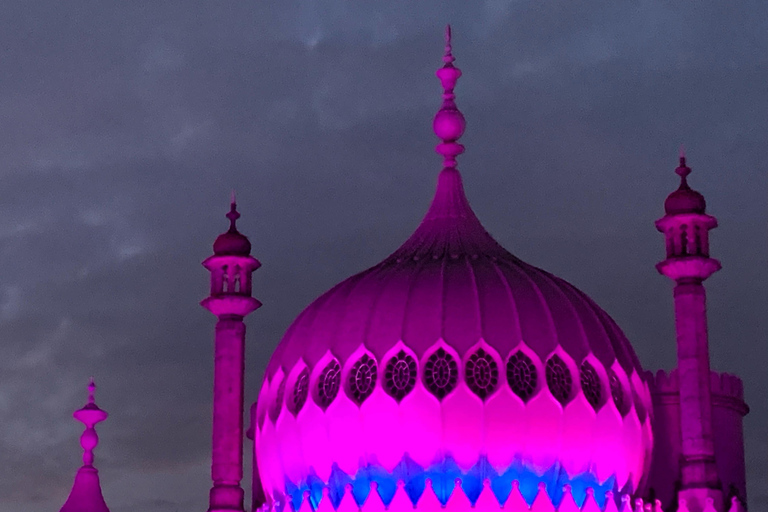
(451, 280)
(362, 385)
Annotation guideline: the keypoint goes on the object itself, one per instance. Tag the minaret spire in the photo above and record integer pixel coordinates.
(86, 491)
(686, 229)
(230, 300)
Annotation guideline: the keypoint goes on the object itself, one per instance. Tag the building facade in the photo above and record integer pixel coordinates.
(454, 376)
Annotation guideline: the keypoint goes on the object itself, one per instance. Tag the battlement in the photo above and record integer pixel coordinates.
(727, 389)
(663, 383)
(726, 385)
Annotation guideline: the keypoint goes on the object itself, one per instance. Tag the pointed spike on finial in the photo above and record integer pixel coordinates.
(233, 198)
(448, 57)
(233, 214)
(91, 391)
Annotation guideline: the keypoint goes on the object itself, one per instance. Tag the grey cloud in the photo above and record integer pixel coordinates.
(126, 127)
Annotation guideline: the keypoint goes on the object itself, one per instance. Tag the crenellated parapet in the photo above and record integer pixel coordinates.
(727, 389)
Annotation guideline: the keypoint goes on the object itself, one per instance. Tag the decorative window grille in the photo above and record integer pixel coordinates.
(362, 378)
(400, 375)
(559, 379)
(617, 390)
(441, 373)
(300, 390)
(481, 373)
(590, 385)
(328, 384)
(522, 375)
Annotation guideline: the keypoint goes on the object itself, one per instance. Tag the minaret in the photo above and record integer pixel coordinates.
(86, 491)
(231, 266)
(686, 228)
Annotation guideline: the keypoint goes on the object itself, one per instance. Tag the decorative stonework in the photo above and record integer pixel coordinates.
(362, 378)
(400, 375)
(590, 385)
(328, 384)
(481, 373)
(449, 289)
(441, 373)
(522, 375)
(300, 391)
(559, 379)
(617, 390)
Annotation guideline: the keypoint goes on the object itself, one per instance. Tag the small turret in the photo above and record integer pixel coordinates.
(231, 267)
(686, 229)
(230, 300)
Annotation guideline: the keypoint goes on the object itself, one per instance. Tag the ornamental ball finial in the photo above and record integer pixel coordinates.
(449, 122)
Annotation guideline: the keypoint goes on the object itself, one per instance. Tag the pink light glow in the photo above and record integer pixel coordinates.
(86, 493)
(452, 286)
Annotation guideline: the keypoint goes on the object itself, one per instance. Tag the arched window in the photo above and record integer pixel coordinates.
(559, 379)
(441, 373)
(362, 378)
(522, 375)
(300, 390)
(481, 373)
(328, 384)
(617, 390)
(400, 375)
(590, 385)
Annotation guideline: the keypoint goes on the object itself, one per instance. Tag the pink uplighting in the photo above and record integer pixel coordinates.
(456, 361)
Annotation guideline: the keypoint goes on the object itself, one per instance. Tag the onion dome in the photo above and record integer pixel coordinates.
(232, 243)
(684, 199)
(452, 362)
(86, 491)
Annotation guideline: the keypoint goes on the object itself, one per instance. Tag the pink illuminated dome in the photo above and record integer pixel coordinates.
(452, 366)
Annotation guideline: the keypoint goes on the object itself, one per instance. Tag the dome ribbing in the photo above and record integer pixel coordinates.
(452, 359)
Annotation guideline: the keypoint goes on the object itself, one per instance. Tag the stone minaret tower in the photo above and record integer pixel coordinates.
(86, 491)
(686, 228)
(231, 267)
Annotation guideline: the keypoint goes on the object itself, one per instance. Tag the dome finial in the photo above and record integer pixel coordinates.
(449, 122)
(86, 491)
(233, 214)
(89, 415)
(683, 170)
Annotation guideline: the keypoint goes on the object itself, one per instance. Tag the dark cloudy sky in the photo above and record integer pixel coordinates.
(126, 124)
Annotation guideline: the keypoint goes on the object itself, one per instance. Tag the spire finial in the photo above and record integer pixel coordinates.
(233, 214)
(449, 122)
(448, 57)
(683, 170)
(89, 416)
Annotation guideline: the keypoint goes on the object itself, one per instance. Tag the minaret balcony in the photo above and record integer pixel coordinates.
(234, 305)
(688, 267)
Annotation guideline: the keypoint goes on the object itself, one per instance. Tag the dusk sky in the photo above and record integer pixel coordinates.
(126, 124)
